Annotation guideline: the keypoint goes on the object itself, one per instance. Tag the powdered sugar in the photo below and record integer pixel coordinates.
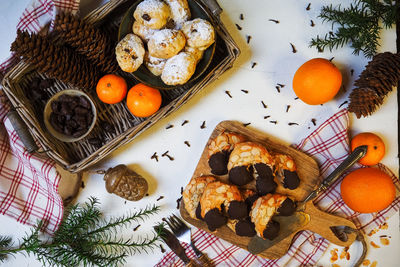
(149, 6)
(179, 69)
(180, 11)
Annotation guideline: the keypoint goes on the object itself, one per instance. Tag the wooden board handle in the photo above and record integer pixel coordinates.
(321, 223)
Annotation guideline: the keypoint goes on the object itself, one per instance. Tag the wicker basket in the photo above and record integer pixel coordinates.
(80, 155)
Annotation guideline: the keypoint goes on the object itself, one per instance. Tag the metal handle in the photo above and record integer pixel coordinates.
(213, 6)
(22, 131)
(358, 153)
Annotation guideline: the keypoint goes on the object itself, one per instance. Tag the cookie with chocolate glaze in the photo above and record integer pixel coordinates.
(285, 169)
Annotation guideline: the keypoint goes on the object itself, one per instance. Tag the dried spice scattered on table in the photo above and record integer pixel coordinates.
(308, 6)
(137, 227)
(238, 27)
(287, 108)
(296, 98)
(278, 89)
(203, 125)
(312, 24)
(314, 121)
(351, 72)
(274, 20)
(187, 143)
(241, 17)
(246, 124)
(280, 85)
(181, 190)
(248, 37)
(162, 249)
(263, 104)
(293, 48)
(331, 59)
(169, 126)
(228, 93)
(82, 185)
(178, 203)
(244, 91)
(154, 156)
(253, 65)
(266, 117)
(184, 122)
(292, 123)
(344, 103)
(159, 198)
(165, 154)
(274, 122)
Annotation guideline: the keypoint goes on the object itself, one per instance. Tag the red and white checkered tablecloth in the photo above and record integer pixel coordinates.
(329, 146)
(29, 182)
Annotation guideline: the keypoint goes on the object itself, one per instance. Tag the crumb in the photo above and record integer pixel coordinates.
(293, 48)
(372, 232)
(187, 143)
(169, 126)
(263, 104)
(366, 262)
(238, 27)
(374, 245)
(335, 265)
(374, 263)
(334, 255)
(384, 241)
(159, 198)
(274, 20)
(384, 226)
(184, 122)
(228, 93)
(203, 125)
(244, 91)
(253, 65)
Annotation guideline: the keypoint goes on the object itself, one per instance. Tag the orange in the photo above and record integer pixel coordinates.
(143, 100)
(111, 89)
(367, 190)
(317, 81)
(375, 150)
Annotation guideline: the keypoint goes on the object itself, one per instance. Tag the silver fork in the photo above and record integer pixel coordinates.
(183, 233)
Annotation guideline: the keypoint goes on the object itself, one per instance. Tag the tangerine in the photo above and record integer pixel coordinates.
(143, 100)
(368, 190)
(375, 150)
(317, 81)
(111, 89)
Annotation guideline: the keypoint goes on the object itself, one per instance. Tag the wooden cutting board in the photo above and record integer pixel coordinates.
(307, 170)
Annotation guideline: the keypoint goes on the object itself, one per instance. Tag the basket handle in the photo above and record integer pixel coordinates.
(22, 131)
(213, 6)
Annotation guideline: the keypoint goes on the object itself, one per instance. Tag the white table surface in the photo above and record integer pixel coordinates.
(270, 48)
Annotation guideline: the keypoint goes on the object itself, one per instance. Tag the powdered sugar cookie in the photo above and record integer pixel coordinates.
(166, 43)
(129, 53)
(154, 64)
(199, 33)
(178, 69)
(152, 13)
(142, 31)
(180, 12)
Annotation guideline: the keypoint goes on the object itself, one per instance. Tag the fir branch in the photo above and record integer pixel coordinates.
(85, 238)
(358, 25)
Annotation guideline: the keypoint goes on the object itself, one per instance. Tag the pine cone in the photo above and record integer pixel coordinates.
(56, 61)
(87, 40)
(125, 183)
(381, 74)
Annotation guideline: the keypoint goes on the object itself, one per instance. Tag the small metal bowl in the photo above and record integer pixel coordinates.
(48, 110)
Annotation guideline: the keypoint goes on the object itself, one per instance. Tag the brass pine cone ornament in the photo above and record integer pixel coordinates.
(87, 40)
(379, 77)
(125, 183)
(56, 61)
